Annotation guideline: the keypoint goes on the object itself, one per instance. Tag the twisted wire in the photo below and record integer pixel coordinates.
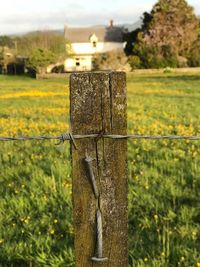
(26, 138)
(99, 246)
(99, 235)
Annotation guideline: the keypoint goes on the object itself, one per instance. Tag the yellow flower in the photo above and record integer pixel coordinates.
(182, 258)
(156, 217)
(55, 221)
(194, 235)
(198, 264)
(145, 259)
(52, 232)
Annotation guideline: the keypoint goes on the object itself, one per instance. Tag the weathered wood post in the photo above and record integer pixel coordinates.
(99, 169)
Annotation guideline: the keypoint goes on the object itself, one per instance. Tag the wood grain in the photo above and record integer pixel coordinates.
(98, 105)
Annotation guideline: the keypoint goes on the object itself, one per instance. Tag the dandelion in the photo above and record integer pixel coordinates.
(145, 259)
(52, 232)
(194, 154)
(182, 258)
(55, 221)
(155, 217)
(136, 178)
(198, 264)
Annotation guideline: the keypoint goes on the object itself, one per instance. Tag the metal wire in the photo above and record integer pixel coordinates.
(99, 246)
(170, 137)
(26, 138)
(69, 137)
(88, 161)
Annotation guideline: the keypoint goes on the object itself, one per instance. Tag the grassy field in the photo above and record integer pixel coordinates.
(164, 176)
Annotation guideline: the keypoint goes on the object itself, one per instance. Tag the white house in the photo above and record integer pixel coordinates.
(85, 43)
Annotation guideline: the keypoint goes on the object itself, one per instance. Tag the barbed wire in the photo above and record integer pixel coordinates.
(26, 138)
(69, 137)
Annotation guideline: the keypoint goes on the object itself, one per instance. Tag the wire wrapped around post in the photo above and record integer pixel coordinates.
(99, 244)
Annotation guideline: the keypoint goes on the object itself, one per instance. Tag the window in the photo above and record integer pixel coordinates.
(93, 40)
(78, 62)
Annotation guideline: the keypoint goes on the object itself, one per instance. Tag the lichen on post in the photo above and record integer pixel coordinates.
(98, 106)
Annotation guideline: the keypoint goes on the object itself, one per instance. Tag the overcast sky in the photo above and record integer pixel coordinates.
(23, 15)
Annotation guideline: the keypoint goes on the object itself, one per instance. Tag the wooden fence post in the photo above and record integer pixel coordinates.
(98, 105)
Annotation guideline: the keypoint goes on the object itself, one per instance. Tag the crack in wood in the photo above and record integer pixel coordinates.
(98, 105)
(111, 100)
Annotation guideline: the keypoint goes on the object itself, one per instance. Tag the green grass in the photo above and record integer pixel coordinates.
(164, 176)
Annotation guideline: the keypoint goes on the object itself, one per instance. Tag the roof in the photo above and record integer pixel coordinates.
(104, 34)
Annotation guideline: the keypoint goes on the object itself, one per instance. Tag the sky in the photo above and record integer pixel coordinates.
(19, 16)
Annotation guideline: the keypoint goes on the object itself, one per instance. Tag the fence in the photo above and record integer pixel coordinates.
(52, 76)
(98, 119)
(167, 70)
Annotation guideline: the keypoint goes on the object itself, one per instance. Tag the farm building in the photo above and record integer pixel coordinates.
(85, 43)
(9, 63)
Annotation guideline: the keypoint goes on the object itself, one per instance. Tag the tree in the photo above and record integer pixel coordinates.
(194, 58)
(130, 38)
(46, 40)
(168, 32)
(46, 46)
(39, 59)
(6, 41)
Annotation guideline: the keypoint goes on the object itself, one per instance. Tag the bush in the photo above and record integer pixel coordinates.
(182, 62)
(134, 62)
(194, 57)
(113, 60)
(39, 59)
(155, 57)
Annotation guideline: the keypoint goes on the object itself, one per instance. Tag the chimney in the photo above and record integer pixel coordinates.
(111, 23)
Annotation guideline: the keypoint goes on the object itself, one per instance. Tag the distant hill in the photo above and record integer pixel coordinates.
(130, 27)
(34, 32)
(134, 26)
